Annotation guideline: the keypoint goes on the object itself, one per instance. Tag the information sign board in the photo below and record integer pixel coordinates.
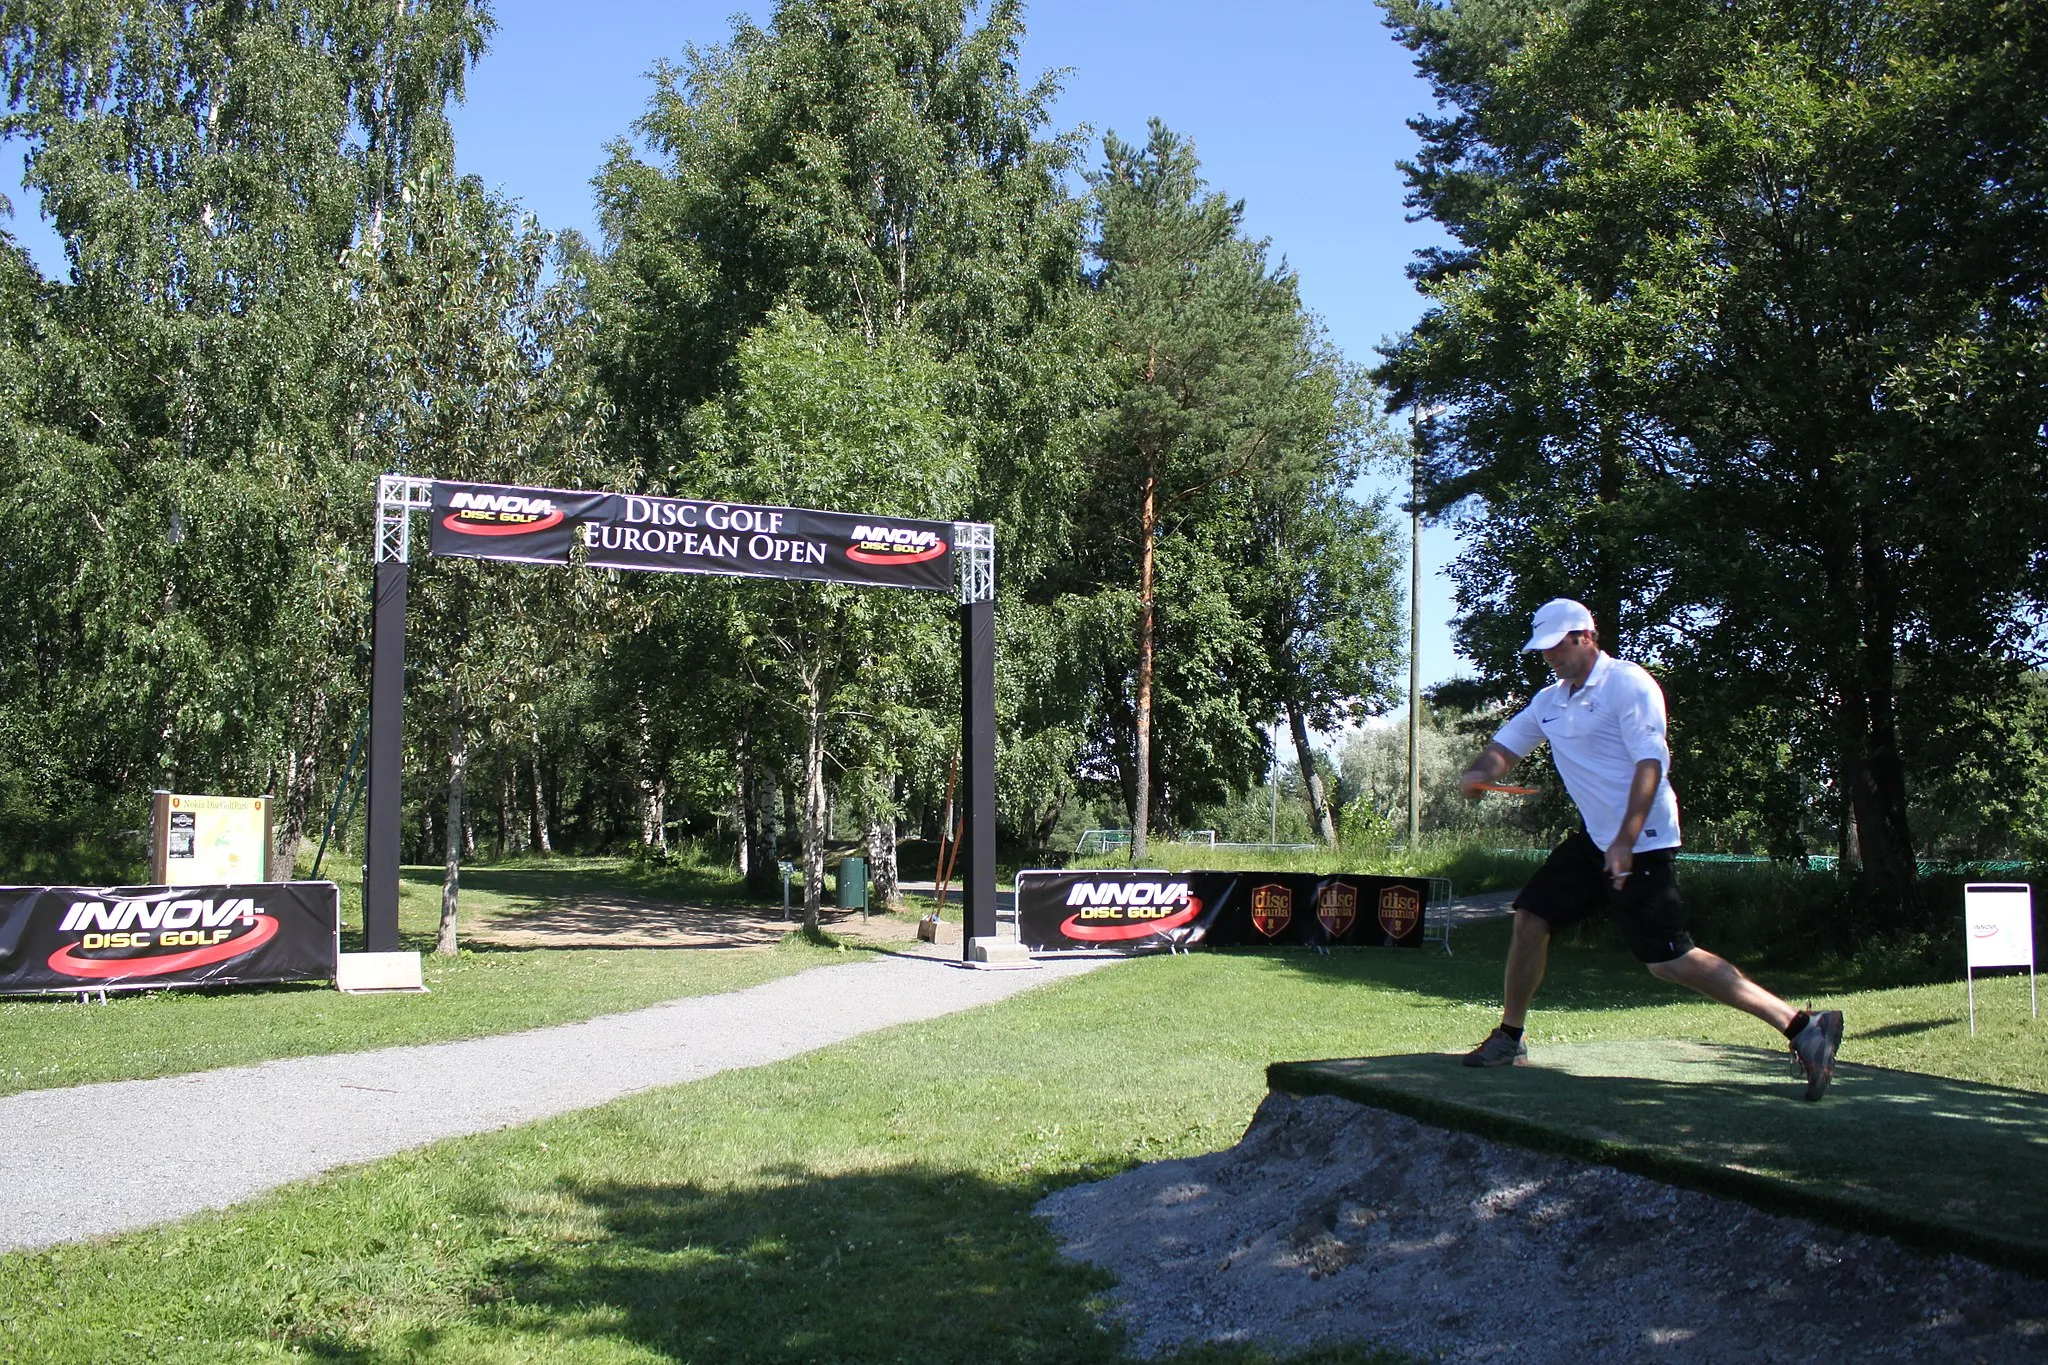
(1998, 931)
(208, 840)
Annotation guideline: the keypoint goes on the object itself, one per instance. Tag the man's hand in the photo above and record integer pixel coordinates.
(1492, 763)
(1620, 858)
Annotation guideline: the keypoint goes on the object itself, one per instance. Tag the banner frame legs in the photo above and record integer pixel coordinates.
(978, 749)
(387, 757)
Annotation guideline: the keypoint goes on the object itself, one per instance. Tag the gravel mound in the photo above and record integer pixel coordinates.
(1335, 1221)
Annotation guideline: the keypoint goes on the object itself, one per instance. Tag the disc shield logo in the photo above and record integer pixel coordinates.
(1272, 909)
(1400, 910)
(1337, 908)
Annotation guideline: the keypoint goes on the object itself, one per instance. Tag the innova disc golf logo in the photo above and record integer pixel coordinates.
(1400, 910)
(1337, 908)
(1114, 911)
(894, 545)
(1272, 909)
(157, 936)
(500, 514)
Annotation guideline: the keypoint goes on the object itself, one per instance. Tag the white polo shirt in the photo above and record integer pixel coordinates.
(1597, 736)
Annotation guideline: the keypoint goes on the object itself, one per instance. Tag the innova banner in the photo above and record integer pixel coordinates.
(90, 938)
(1132, 911)
(681, 535)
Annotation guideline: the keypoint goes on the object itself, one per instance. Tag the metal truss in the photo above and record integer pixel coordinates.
(974, 548)
(398, 497)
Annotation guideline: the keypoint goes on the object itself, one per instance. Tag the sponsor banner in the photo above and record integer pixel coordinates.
(80, 938)
(1131, 911)
(683, 535)
(526, 525)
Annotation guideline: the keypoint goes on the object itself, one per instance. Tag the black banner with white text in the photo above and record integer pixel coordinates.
(1128, 911)
(90, 938)
(682, 535)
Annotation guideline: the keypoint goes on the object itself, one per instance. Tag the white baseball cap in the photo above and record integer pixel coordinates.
(1556, 619)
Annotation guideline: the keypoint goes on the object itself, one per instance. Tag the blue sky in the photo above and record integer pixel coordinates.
(1298, 109)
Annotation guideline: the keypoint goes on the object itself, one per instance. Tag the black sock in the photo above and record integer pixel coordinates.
(1513, 1033)
(1798, 1024)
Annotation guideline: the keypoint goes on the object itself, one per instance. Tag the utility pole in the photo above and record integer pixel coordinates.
(1420, 416)
(1414, 646)
(1273, 789)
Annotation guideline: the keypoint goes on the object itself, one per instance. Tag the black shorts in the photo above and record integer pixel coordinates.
(1572, 885)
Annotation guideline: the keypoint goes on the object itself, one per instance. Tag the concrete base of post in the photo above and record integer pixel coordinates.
(998, 952)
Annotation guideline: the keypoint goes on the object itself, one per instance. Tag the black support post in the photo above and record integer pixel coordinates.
(387, 733)
(978, 747)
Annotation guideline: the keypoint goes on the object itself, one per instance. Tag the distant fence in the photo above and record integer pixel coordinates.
(1104, 840)
(1824, 862)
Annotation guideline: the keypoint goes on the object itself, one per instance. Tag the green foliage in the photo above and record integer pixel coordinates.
(844, 266)
(177, 450)
(1734, 340)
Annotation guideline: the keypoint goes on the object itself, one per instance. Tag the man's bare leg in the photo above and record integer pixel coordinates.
(1718, 979)
(1528, 955)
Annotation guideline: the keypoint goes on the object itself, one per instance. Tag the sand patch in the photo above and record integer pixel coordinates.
(1334, 1221)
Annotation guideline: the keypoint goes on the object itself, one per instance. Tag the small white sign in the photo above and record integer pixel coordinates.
(1998, 925)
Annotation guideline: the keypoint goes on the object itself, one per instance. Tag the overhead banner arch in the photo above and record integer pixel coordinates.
(678, 535)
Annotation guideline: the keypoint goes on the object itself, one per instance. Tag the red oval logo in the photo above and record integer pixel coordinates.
(891, 557)
(115, 968)
(1109, 933)
(474, 528)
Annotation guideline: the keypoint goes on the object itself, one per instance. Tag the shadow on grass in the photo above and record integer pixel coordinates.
(892, 1265)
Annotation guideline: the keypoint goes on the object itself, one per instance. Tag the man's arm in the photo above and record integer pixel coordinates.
(1642, 790)
(1496, 762)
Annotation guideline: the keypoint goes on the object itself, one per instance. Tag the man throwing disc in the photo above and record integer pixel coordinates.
(1604, 721)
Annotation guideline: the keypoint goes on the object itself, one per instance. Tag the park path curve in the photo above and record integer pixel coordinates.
(90, 1160)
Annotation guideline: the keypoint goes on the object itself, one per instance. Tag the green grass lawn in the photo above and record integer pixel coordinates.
(54, 1040)
(868, 1202)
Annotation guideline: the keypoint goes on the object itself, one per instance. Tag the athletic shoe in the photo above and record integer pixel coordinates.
(1499, 1050)
(1815, 1049)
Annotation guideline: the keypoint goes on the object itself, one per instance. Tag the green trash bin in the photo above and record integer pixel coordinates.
(853, 883)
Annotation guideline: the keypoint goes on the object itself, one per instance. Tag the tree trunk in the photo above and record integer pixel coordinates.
(743, 805)
(1874, 770)
(814, 804)
(451, 874)
(881, 844)
(508, 840)
(302, 774)
(1141, 797)
(790, 819)
(1312, 780)
(763, 877)
(541, 842)
(653, 818)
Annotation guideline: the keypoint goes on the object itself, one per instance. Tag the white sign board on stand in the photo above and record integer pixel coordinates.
(1998, 931)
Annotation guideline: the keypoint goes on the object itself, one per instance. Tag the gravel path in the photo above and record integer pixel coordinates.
(94, 1154)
